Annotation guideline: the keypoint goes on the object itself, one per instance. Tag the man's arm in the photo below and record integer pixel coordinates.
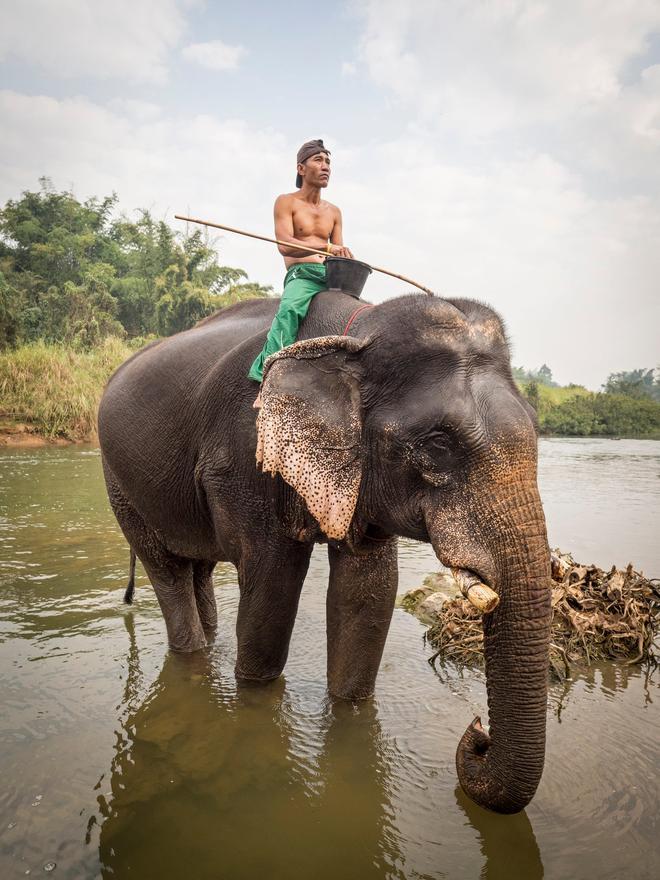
(283, 212)
(337, 248)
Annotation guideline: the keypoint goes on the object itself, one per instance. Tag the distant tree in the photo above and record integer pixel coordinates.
(573, 417)
(634, 383)
(532, 394)
(55, 236)
(10, 307)
(544, 375)
(238, 292)
(171, 281)
(629, 408)
(602, 415)
(181, 302)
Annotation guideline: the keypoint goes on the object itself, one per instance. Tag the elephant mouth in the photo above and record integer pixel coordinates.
(474, 587)
(475, 577)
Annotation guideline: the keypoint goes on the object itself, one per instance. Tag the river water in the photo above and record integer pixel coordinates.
(121, 760)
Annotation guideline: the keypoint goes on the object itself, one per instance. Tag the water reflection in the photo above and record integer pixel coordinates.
(602, 499)
(507, 843)
(603, 680)
(215, 780)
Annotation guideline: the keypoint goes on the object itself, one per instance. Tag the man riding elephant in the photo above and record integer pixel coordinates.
(399, 420)
(302, 218)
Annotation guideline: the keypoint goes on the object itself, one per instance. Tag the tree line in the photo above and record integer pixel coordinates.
(628, 405)
(640, 383)
(77, 272)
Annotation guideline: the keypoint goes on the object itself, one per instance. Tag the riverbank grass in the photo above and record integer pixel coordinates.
(52, 391)
(55, 390)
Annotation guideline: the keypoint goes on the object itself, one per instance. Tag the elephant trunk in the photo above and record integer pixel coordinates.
(501, 770)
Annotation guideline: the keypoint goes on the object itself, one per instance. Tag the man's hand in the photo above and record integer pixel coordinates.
(338, 250)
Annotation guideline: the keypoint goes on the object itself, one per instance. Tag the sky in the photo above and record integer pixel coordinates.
(507, 151)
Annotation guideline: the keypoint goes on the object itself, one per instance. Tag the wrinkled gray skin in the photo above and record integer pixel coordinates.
(415, 422)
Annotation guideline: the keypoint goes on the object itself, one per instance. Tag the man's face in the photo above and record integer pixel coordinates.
(316, 170)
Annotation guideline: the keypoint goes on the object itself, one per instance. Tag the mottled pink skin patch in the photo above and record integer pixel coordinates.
(315, 450)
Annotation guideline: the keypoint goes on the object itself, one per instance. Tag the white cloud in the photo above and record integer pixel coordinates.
(547, 60)
(348, 68)
(214, 55)
(568, 271)
(125, 39)
(513, 70)
(135, 109)
(574, 276)
(527, 168)
(220, 170)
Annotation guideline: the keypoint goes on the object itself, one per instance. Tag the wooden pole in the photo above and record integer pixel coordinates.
(298, 247)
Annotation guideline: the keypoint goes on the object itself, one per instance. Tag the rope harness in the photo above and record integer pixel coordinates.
(354, 316)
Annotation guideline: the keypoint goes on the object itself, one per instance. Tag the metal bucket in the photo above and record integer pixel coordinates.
(347, 276)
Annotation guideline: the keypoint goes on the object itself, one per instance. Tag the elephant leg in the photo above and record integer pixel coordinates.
(171, 576)
(204, 595)
(270, 581)
(360, 602)
(173, 583)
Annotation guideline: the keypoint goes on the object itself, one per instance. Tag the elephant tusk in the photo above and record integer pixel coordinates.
(558, 566)
(482, 597)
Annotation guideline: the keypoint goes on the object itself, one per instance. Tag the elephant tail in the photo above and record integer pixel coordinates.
(130, 586)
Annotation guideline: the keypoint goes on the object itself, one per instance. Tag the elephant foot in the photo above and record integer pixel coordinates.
(187, 646)
(352, 696)
(251, 678)
(210, 632)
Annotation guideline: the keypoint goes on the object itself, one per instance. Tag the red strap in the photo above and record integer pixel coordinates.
(354, 316)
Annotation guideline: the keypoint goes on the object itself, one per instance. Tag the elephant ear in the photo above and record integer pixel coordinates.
(309, 428)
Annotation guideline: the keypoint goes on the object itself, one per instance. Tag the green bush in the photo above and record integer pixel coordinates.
(74, 273)
(601, 415)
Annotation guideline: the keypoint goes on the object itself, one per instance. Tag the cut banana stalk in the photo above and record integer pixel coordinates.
(482, 597)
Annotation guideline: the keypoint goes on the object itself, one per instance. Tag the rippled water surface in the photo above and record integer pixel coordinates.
(119, 760)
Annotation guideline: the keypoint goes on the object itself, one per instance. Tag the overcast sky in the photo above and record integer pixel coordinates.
(505, 150)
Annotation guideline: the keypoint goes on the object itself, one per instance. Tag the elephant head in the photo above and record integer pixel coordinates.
(415, 427)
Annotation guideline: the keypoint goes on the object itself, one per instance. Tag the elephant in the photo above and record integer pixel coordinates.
(399, 419)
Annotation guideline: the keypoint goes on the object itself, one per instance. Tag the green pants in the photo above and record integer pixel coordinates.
(301, 284)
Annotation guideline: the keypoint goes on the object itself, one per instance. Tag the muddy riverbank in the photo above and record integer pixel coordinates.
(18, 435)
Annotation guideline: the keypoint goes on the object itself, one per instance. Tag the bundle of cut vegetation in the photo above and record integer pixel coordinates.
(597, 615)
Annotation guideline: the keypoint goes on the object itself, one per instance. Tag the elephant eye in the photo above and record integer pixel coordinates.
(437, 445)
(433, 458)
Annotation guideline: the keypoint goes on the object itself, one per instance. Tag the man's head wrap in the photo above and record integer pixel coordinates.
(311, 148)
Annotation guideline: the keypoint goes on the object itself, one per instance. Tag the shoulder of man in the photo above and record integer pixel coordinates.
(330, 206)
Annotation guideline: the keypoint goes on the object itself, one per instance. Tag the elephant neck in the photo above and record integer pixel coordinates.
(330, 314)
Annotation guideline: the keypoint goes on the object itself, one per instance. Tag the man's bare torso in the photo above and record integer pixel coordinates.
(316, 225)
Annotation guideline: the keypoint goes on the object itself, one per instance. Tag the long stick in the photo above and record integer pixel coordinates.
(298, 247)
